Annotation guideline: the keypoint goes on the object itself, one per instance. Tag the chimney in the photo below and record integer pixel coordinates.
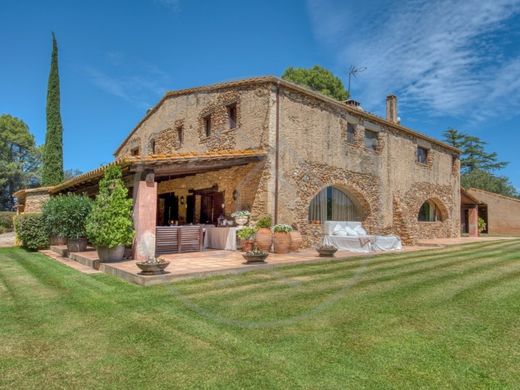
(391, 109)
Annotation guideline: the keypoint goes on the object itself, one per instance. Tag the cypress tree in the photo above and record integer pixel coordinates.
(52, 172)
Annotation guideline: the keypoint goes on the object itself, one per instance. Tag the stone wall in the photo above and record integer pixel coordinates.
(34, 200)
(187, 111)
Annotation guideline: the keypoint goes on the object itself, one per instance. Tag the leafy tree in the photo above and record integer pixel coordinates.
(488, 182)
(70, 173)
(19, 159)
(52, 173)
(318, 79)
(110, 223)
(474, 155)
(478, 166)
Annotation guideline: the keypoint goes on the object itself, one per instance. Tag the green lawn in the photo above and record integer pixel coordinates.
(443, 318)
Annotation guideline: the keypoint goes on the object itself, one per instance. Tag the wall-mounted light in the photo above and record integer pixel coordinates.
(182, 200)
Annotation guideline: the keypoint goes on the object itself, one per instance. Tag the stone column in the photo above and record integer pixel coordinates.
(473, 221)
(145, 214)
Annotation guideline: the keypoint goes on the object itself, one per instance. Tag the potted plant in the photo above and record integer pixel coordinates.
(247, 237)
(282, 239)
(68, 215)
(264, 236)
(326, 250)
(296, 240)
(255, 256)
(110, 225)
(53, 215)
(241, 217)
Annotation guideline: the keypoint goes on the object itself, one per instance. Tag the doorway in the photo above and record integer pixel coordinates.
(211, 207)
(167, 209)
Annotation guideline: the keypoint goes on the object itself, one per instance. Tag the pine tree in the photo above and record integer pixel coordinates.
(52, 172)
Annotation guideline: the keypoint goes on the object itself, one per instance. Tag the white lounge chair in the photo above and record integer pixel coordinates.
(350, 236)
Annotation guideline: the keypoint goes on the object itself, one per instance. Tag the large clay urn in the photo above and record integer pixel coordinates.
(296, 241)
(282, 242)
(264, 239)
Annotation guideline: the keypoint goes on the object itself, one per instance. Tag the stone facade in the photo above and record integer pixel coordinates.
(304, 137)
(34, 200)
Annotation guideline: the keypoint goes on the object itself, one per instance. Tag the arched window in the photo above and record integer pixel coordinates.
(332, 204)
(429, 212)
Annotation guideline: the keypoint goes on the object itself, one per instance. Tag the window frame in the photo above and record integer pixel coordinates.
(134, 152)
(232, 122)
(375, 144)
(351, 133)
(152, 146)
(437, 217)
(426, 155)
(207, 125)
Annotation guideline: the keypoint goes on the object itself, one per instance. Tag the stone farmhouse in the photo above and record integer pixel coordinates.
(274, 147)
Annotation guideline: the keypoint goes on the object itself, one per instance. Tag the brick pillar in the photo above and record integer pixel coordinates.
(473, 221)
(145, 214)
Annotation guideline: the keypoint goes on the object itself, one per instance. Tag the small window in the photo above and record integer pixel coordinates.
(232, 115)
(180, 135)
(207, 125)
(351, 133)
(429, 212)
(152, 146)
(422, 155)
(134, 151)
(370, 139)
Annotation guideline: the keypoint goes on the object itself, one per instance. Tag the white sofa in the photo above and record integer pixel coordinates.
(350, 236)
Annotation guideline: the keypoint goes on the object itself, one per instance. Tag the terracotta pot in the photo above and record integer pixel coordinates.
(77, 244)
(109, 255)
(247, 245)
(296, 241)
(264, 239)
(282, 242)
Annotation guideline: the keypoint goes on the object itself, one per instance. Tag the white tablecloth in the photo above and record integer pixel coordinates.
(221, 238)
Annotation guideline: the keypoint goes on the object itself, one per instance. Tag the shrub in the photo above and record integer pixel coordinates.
(110, 223)
(481, 224)
(66, 215)
(265, 222)
(30, 230)
(6, 221)
(282, 228)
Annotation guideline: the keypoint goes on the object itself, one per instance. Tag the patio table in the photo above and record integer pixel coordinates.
(221, 238)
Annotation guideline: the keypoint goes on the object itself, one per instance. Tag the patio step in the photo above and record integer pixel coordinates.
(60, 250)
(69, 262)
(89, 258)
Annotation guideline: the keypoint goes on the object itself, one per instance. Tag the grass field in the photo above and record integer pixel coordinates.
(443, 318)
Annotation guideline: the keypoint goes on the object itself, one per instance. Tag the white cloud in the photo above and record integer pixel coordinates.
(140, 84)
(173, 5)
(441, 56)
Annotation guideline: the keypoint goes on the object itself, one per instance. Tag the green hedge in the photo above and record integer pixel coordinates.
(6, 221)
(31, 232)
(65, 215)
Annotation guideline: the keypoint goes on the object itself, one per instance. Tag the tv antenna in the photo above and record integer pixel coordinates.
(353, 72)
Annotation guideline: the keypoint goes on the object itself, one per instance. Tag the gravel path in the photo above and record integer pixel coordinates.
(7, 239)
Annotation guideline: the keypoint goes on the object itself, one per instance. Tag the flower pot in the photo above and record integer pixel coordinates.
(327, 252)
(296, 241)
(241, 221)
(264, 239)
(110, 255)
(77, 244)
(255, 258)
(282, 242)
(58, 240)
(155, 268)
(247, 245)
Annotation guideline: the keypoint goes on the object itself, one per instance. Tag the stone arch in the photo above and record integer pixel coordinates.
(361, 205)
(444, 213)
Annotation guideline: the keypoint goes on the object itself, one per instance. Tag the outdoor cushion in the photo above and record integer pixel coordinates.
(360, 231)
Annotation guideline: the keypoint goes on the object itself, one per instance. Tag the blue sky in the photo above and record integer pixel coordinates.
(451, 63)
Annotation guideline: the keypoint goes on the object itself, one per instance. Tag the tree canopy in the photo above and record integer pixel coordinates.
(318, 79)
(52, 172)
(477, 166)
(19, 159)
